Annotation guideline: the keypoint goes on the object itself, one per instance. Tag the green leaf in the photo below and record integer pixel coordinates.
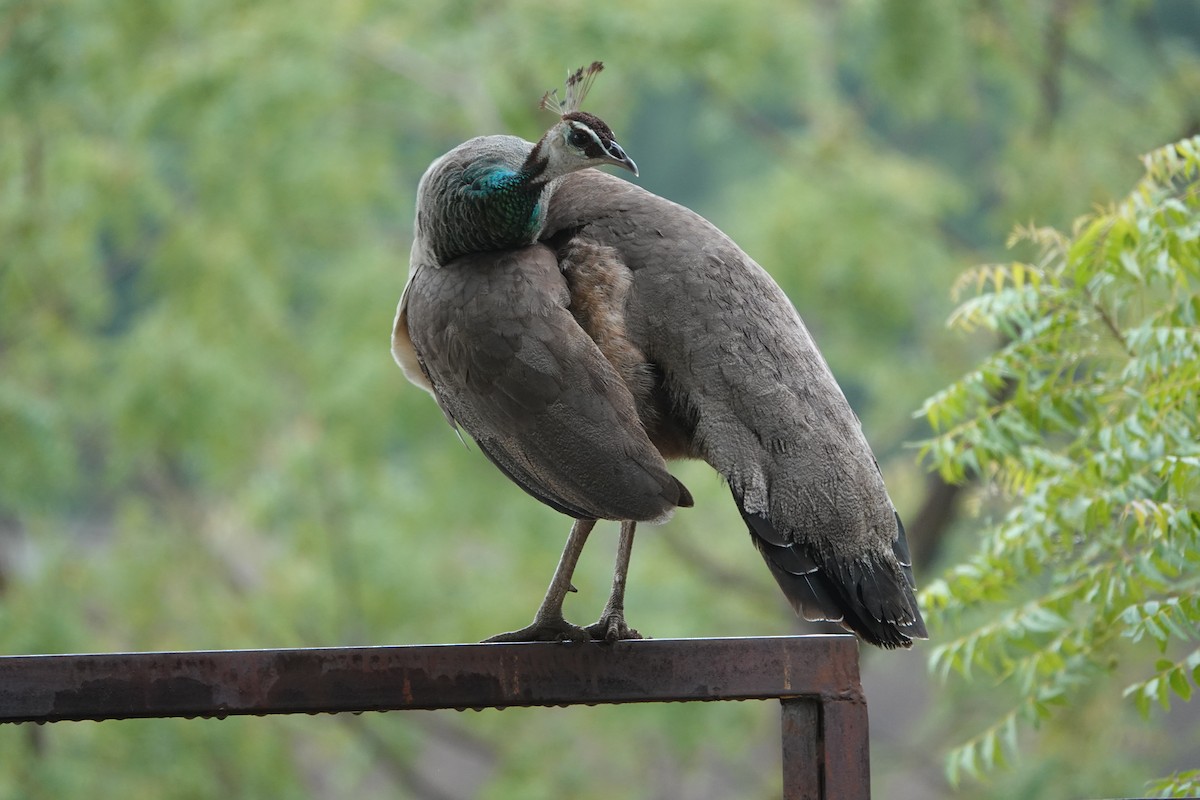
(1129, 262)
(1180, 684)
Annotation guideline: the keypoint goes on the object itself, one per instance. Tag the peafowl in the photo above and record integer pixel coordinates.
(583, 330)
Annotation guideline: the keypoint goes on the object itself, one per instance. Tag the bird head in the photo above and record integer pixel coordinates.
(578, 139)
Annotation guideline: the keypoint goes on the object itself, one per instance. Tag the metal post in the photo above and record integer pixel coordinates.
(801, 733)
(846, 759)
(825, 749)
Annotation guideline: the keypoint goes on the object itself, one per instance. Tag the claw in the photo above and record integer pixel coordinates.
(544, 630)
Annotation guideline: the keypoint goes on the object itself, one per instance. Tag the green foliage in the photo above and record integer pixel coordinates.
(1086, 424)
(1181, 784)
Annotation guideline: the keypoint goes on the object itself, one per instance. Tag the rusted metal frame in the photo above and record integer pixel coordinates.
(315, 680)
(824, 724)
(845, 759)
(802, 749)
(825, 748)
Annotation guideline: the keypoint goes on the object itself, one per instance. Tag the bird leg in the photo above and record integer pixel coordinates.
(548, 623)
(611, 626)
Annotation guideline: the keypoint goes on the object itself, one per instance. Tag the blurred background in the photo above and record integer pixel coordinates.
(205, 216)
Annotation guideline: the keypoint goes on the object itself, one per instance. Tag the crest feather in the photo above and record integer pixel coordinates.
(579, 83)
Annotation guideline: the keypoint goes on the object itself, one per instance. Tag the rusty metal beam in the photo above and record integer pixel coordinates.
(49, 688)
(824, 728)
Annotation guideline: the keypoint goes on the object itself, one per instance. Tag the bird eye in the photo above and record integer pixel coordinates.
(578, 138)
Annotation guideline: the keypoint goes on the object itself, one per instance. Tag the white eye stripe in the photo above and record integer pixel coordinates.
(578, 126)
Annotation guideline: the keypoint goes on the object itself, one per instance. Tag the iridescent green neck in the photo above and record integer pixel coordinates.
(507, 205)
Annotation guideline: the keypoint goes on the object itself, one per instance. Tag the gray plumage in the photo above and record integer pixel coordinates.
(508, 363)
(741, 373)
(610, 328)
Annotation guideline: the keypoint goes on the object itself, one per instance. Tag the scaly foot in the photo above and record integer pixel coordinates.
(544, 630)
(611, 627)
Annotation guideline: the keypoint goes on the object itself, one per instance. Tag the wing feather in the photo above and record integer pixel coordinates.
(509, 363)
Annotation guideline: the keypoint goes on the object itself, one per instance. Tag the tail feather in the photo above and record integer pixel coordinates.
(686, 501)
(870, 597)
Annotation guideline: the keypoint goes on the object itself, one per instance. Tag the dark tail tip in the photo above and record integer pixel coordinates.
(685, 497)
(874, 599)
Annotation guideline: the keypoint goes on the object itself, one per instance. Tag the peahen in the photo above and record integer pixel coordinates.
(582, 330)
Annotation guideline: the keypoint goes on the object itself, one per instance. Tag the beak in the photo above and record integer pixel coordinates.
(617, 157)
